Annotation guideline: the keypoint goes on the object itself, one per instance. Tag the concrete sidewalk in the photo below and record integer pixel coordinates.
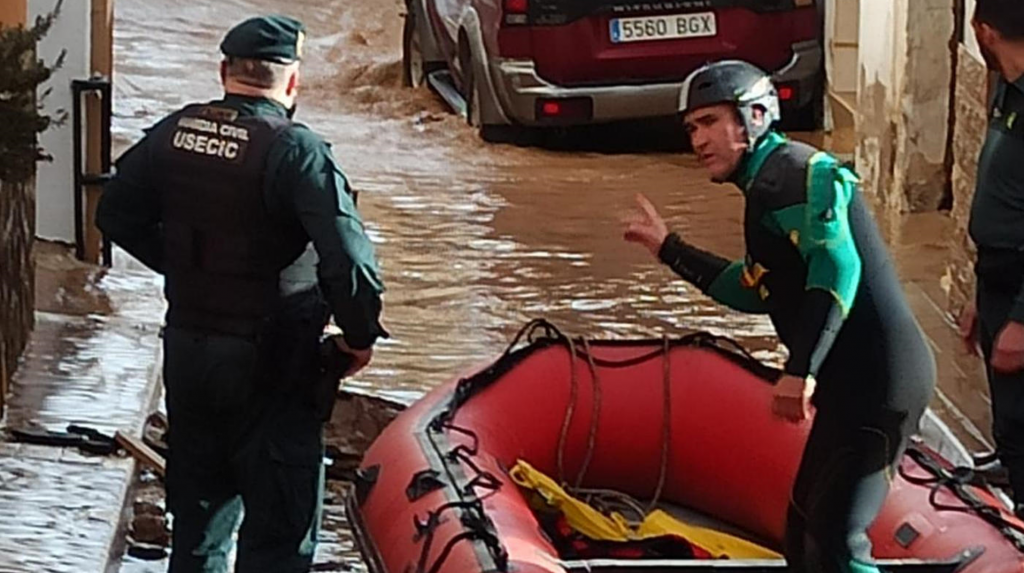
(60, 510)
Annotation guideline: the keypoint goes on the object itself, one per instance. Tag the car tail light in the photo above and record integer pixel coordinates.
(787, 93)
(517, 12)
(565, 110)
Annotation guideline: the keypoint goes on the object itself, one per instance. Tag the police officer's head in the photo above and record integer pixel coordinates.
(261, 58)
(999, 26)
(727, 107)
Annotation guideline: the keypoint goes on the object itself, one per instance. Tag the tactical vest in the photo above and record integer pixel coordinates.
(223, 251)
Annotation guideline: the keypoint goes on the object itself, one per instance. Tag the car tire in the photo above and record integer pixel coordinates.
(493, 133)
(415, 68)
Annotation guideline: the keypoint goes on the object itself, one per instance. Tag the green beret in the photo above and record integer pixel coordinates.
(271, 38)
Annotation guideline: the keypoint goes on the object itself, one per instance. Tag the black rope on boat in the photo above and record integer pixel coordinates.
(471, 535)
(957, 481)
(666, 426)
(472, 450)
(474, 518)
(595, 414)
(426, 527)
(541, 334)
(476, 523)
(483, 478)
(574, 388)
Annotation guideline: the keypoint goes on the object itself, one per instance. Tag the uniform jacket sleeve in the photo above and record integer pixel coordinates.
(314, 185)
(129, 209)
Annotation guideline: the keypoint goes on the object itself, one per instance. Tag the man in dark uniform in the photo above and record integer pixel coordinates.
(996, 225)
(818, 267)
(251, 221)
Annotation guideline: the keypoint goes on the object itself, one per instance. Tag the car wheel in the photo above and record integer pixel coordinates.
(471, 93)
(414, 68)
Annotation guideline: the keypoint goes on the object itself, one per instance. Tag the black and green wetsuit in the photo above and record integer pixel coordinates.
(817, 265)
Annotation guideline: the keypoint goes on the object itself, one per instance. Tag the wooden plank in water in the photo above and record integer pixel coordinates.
(142, 452)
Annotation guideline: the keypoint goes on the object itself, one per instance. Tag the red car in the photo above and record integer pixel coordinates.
(574, 62)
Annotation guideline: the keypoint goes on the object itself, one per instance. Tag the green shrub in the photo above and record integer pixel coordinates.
(21, 107)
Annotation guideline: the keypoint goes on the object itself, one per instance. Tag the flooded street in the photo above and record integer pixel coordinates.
(474, 239)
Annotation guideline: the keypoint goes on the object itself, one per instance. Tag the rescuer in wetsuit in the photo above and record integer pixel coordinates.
(816, 264)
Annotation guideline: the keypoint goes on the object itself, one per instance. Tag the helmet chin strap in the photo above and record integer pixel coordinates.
(755, 132)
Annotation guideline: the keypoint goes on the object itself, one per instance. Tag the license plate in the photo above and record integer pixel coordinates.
(700, 25)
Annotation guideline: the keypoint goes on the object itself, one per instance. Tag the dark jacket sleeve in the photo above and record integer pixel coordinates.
(312, 183)
(129, 209)
(716, 277)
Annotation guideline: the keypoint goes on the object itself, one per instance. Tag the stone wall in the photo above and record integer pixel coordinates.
(904, 77)
(17, 275)
(968, 137)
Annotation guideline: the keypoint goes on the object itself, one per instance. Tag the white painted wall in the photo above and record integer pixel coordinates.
(54, 200)
(877, 42)
(900, 37)
(842, 31)
(970, 40)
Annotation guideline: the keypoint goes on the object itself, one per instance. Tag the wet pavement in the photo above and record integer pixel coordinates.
(103, 367)
(59, 511)
(92, 361)
(474, 239)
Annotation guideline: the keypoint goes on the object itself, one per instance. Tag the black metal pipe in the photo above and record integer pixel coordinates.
(103, 87)
(105, 149)
(76, 92)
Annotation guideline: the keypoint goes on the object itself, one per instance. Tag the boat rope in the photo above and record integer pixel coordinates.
(569, 411)
(470, 535)
(609, 501)
(956, 481)
(666, 425)
(610, 497)
(477, 526)
(473, 512)
(595, 415)
(540, 334)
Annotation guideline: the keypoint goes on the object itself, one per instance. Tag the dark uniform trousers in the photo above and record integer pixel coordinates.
(1006, 390)
(244, 434)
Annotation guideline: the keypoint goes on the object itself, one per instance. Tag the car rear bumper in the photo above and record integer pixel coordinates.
(518, 88)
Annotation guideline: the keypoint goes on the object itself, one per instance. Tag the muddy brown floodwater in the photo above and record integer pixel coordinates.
(474, 239)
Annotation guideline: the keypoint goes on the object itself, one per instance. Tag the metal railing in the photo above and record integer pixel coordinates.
(102, 87)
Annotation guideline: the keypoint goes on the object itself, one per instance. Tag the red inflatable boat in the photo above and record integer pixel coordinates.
(685, 420)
